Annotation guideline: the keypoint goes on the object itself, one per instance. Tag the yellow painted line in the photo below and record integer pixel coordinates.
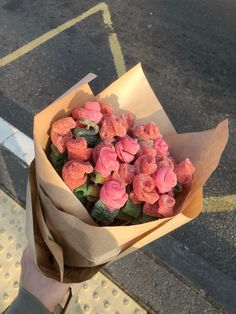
(113, 40)
(219, 203)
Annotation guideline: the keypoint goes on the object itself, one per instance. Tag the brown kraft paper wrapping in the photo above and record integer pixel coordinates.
(65, 228)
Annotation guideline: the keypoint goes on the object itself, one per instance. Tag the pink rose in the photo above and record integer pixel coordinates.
(113, 194)
(165, 179)
(147, 132)
(166, 205)
(125, 173)
(77, 149)
(107, 161)
(90, 111)
(74, 173)
(105, 108)
(151, 209)
(63, 126)
(126, 149)
(166, 162)
(184, 171)
(61, 132)
(112, 126)
(145, 164)
(146, 149)
(161, 146)
(96, 150)
(60, 140)
(144, 188)
(129, 119)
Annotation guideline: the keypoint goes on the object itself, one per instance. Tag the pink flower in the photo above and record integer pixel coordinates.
(125, 173)
(151, 209)
(147, 132)
(129, 119)
(107, 161)
(161, 146)
(105, 108)
(61, 132)
(146, 149)
(74, 173)
(145, 164)
(184, 171)
(134, 198)
(96, 150)
(165, 179)
(90, 111)
(166, 162)
(112, 126)
(166, 205)
(60, 140)
(77, 149)
(126, 149)
(113, 194)
(144, 188)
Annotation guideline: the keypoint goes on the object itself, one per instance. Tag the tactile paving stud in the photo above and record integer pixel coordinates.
(100, 295)
(13, 241)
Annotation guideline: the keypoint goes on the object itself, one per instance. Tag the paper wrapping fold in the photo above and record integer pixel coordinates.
(80, 241)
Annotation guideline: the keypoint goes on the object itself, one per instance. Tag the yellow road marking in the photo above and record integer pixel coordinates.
(219, 203)
(113, 40)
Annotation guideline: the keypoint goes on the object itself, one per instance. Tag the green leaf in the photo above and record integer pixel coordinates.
(56, 153)
(81, 191)
(142, 219)
(133, 210)
(124, 217)
(102, 214)
(97, 178)
(178, 188)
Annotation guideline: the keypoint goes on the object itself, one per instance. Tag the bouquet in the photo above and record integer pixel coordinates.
(121, 173)
(108, 175)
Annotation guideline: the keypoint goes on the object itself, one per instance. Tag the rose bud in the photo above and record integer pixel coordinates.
(61, 132)
(147, 132)
(113, 194)
(151, 209)
(77, 149)
(113, 126)
(125, 173)
(184, 171)
(126, 149)
(166, 205)
(107, 161)
(145, 164)
(165, 179)
(90, 111)
(161, 146)
(74, 173)
(146, 149)
(144, 188)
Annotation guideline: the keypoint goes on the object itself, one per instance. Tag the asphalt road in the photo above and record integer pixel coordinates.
(187, 49)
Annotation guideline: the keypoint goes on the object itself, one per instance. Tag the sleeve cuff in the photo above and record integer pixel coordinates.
(26, 303)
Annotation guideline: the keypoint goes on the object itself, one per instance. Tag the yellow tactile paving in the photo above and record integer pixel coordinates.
(98, 295)
(12, 243)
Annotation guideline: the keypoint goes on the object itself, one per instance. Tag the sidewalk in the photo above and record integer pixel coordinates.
(151, 280)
